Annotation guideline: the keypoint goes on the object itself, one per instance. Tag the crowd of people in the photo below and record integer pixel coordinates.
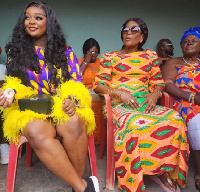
(149, 139)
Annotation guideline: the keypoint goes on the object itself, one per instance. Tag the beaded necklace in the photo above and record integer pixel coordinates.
(188, 62)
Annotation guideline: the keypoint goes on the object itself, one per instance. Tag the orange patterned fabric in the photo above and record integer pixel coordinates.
(152, 143)
(90, 72)
(88, 79)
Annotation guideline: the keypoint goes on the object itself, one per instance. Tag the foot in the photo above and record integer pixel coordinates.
(197, 182)
(92, 184)
(166, 183)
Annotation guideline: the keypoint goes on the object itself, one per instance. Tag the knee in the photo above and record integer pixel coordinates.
(35, 134)
(74, 128)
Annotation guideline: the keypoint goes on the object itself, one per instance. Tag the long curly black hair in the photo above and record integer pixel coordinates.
(21, 51)
(143, 27)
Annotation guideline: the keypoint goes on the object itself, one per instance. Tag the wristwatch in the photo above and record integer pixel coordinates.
(9, 93)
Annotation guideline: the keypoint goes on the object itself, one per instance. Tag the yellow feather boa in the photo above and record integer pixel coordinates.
(16, 120)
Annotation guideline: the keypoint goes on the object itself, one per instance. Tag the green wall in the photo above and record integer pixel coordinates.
(102, 20)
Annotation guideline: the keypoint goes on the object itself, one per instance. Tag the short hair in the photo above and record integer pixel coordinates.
(161, 43)
(143, 27)
(89, 43)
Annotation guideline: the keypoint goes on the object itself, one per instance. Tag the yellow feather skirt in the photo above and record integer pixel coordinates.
(16, 120)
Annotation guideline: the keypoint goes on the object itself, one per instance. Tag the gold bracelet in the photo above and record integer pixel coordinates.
(193, 95)
(112, 92)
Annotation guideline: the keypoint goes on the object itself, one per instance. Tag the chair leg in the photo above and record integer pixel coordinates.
(20, 152)
(28, 155)
(103, 141)
(110, 178)
(92, 155)
(12, 167)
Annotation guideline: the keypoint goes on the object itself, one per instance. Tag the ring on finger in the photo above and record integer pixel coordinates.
(132, 101)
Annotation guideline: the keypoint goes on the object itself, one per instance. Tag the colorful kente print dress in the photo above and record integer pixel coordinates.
(147, 144)
(16, 120)
(188, 79)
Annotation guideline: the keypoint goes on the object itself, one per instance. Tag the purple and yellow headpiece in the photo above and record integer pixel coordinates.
(195, 31)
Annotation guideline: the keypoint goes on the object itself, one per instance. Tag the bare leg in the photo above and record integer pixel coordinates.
(42, 137)
(197, 167)
(168, 182)
(197, 161)
(75, 141)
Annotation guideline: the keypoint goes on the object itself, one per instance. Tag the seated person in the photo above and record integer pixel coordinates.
(90, 63)
(40, 62)
(89, 67)
(149, 139)
(165, 51)
(182, 77)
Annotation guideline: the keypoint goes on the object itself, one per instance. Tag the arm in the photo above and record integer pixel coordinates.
(155, 84)
(169, 74)
(86, 60)
(103, 80)
(21, 91)
(103, 77)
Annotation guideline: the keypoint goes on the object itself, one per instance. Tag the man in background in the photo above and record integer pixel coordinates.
(165, 51)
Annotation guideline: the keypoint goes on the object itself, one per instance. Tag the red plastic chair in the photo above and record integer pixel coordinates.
(13, 158)
(166, 101)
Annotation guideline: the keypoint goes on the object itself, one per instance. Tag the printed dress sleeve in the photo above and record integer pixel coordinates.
(74, 67)
(103, 76)
(156, 79)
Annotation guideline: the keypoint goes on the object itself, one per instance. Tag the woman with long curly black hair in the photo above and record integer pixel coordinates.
(39, 62)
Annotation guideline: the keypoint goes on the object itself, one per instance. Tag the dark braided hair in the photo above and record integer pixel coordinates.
(143, 28)
(21, 52)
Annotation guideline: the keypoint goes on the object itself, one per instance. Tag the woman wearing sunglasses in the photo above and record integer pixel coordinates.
(149, 139)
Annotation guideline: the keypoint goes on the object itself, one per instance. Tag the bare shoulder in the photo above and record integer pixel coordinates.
(174, 62)
(169, 70)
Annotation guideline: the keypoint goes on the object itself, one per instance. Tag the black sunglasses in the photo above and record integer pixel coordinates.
(134, 29)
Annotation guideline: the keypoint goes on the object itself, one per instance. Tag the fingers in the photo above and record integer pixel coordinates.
(69, 107)
(2, 101)
(132, 103)
(5, 101)
(150, 106)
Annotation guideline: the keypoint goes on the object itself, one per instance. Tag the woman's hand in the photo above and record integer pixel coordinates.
(129, 100)
(88, 57)
(69, 107)
(151, 100)
(5, 101)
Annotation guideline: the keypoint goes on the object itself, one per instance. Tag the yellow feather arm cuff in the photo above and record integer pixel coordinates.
(77, 90)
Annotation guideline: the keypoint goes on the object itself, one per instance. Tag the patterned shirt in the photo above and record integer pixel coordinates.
(41, 81)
